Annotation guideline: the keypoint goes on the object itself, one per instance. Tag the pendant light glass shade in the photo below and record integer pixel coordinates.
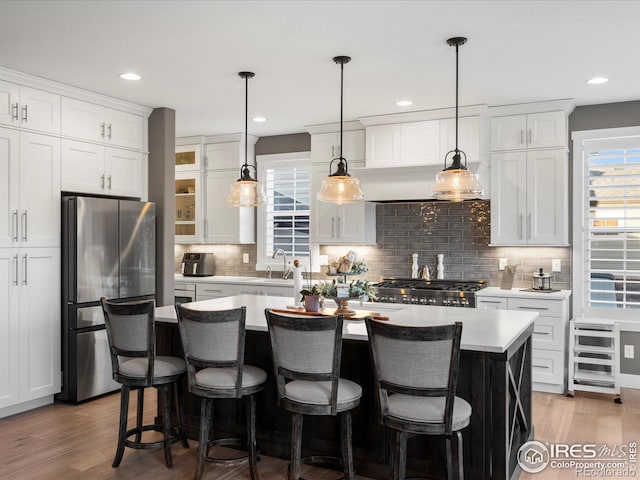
(246, 192)
(455, 183)
(340, 187)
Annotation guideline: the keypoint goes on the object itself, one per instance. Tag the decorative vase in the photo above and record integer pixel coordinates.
(343, 307)
(311, 303)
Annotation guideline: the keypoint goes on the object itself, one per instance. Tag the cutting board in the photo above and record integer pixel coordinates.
(359, 315)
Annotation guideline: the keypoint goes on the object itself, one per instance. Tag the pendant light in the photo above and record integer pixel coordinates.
(340, 187)
(246, 192)
(455, 182)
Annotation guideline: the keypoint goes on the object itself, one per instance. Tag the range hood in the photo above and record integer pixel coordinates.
(409, 183)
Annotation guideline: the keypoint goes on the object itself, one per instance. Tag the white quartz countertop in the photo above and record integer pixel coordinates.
(276, 282)
(483, 330)
(519, 293)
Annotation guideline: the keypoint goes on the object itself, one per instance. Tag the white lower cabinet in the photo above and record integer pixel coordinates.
(29, 325)
(208, 291)
(90, 168)
(549, 338)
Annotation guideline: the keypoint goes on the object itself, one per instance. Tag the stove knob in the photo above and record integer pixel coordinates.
(406, 300)
(423, 301)
(464, 302)
(446, 302)
(432, 301)
(454, 303)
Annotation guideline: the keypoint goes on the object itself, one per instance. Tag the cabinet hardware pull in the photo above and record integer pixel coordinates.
(109, 134)
(529, 226)
(24, 257)
(206, 228)
(25, 113)
(109, 180)
(333, 227)
(15, 225)
(521, 137)
(339, 228)
(102, 182)
(541, 366)
(14, 111)
(541, 333)
(102, 129)
(529, 137)
(333, 151)
(15, 259)
(532, 308)
(490, 301)
(24, 226)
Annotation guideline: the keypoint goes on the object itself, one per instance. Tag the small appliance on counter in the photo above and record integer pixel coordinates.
(198, 264)
(540, 282)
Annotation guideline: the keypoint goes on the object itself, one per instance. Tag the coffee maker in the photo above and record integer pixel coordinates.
(198, 264)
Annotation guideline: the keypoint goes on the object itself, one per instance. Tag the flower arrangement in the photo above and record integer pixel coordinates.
(357, 289)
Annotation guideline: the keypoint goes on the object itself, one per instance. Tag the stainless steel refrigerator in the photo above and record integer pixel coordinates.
(108, 250)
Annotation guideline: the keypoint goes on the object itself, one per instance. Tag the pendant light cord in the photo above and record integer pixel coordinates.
(246, 117)
(341, 102)
(457, 98)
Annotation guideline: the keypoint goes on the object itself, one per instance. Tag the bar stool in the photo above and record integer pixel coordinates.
(306, 357)
(213, 343)
(416, 369)
(131, 335)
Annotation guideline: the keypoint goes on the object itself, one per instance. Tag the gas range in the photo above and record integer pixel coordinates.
(448, 293)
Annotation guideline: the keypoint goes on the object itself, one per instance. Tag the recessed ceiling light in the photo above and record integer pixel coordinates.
(597, 80)
(259, 119)
(404, 103)
(130, 76)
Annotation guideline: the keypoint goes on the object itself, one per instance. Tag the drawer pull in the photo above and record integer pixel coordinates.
(541, 366)
(541, 333)
(533, 308)
(490, 301)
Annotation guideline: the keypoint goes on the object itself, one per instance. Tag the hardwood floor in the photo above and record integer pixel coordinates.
(78, 442)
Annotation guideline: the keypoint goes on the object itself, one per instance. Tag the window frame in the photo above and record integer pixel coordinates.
(580, 283)
(268, 161)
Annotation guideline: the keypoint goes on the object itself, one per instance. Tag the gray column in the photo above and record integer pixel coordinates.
(162, 147)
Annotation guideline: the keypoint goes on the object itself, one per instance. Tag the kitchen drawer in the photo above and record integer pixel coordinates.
(549, 333)
(547, 308)
(547, 366)
(491, 303)
(274, 291)
(213, 290)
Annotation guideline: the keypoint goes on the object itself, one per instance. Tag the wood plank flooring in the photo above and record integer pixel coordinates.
(78, 442)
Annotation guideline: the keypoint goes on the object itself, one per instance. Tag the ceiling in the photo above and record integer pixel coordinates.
(189, 54)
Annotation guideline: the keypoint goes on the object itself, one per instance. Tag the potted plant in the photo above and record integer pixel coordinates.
(311, 298)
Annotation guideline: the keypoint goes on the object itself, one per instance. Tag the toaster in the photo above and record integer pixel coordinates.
(198, 264)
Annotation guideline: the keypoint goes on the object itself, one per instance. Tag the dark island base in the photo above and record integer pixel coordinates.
(498, 387)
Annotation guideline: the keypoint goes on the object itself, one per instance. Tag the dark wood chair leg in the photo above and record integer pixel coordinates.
(392, 454)
(166, 421)
(251, 436)
(122, 429)
(347, 451)
(139, 414)
(401, 455)
(180, 409)
(296, 446)
(460, 457)
(206, 413)
(449, 457)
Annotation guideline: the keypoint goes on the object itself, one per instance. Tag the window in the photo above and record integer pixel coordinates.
(283, 222)
(607, 223)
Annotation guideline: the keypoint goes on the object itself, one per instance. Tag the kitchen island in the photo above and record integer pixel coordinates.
(495, 378)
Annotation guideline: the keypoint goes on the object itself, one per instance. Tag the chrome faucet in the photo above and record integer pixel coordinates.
(269, 272)
(285, 269)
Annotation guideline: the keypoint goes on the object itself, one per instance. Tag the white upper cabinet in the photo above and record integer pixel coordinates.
(29, 108)
(91, 168)
(326, 146)
(533, 130)
(188, 157)
(421, 143)
(30, 189)
(91, 122)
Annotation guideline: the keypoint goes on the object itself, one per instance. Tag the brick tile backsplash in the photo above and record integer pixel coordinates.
(460, 231)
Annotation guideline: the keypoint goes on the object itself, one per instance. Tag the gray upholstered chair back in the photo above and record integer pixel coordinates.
(130, 331)
(305, 348)
(213, 339)
(420, 361)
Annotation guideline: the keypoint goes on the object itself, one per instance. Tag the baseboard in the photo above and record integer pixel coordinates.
(25, 406)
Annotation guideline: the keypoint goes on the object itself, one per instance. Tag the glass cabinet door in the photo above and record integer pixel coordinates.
(188, 218)
(187, 158)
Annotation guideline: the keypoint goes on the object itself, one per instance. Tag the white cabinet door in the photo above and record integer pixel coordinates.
(39, 323)
(9, 187)
(188, 158)
(383, 146)
(39, 110)
(352, 145)
(546, 129)
(83, 120)
(123, 171)
(323, 214)
(508, 198)
(509, 132)
(547, 199)
(9, 328)
(9, 103)
(226, 156)
(224, 223)
(468, 137)
(491, 303)
(124, 129)
(82, 167)
(39, 190)
(420, 143)
(326, 146)
(357, 223)
(323, 148)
